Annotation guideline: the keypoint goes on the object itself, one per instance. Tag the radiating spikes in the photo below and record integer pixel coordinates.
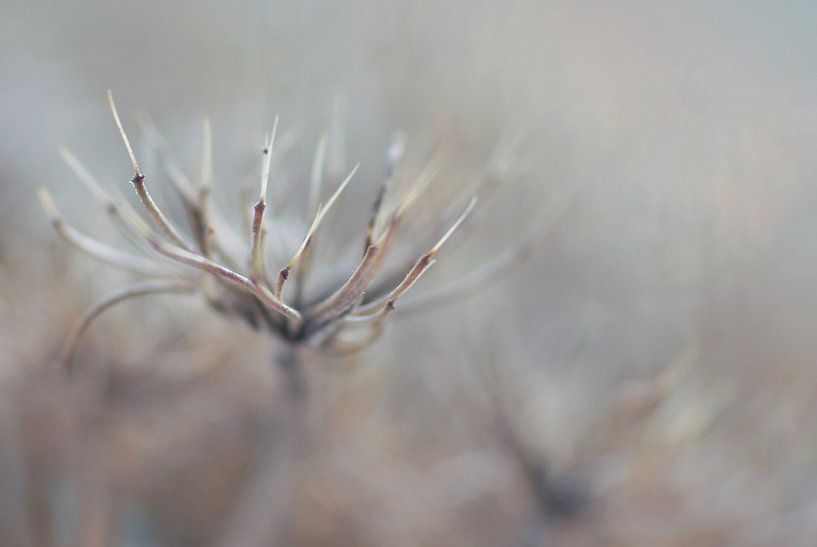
(223, 237)
(92, 247)
(419, 268)
(374, 308)
(419, 184)
(348, 295)
(351, 293)
(295, 261)
(492, 270)
(126, 219)
(139, 289)
(123, 134)
(355, 303)
(228, 276)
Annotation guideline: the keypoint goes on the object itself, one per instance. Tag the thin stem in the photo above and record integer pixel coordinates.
(140, 289)
(263, 512)
(258, 233)
(92, 247)
(138, 182)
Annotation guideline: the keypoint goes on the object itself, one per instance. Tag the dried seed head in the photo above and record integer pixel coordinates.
(351, 302)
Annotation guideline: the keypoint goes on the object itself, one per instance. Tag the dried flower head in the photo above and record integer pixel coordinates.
(233, 276)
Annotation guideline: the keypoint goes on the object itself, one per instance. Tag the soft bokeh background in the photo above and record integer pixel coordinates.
(656, 353)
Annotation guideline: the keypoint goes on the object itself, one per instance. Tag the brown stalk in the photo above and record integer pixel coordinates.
(258, 233)
(228, 276)
(393, 157)
(423, 263)
(138, 182)
(126, 220)
(351, 293)
(92, 247)
(222, 236)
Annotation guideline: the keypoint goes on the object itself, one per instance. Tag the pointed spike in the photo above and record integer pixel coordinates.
(138, 182)
(269, 144)
(455, 226)
(207, 157)
(419, 268)
(319, 216)
(337, 193)
(316, 176)
(123, 134)
(422, 182)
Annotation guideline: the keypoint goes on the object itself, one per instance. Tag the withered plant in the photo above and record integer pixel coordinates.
(337, 313)
(231, 272)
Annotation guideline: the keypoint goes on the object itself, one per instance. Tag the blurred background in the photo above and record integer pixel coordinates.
(646, 377)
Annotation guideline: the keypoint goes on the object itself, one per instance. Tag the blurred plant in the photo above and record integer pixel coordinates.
(342, 317)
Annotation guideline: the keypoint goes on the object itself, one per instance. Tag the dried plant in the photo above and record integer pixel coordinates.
(340, 318)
